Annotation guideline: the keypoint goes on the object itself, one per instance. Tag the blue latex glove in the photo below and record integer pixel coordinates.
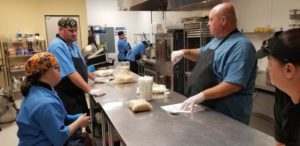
(72, 118)
(91, 68)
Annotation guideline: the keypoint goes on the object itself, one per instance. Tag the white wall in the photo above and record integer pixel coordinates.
(106, 13)
(250, 14)
(260, 13)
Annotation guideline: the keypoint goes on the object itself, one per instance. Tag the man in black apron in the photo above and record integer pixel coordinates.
(224, 76)
(73, 84)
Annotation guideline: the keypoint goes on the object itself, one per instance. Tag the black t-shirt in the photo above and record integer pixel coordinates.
(287, 119)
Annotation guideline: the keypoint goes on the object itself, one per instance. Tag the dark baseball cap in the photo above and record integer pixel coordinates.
(146, 43)
(276, 48)
(120, 32)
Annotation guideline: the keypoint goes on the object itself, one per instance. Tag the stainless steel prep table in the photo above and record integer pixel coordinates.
(158, 127)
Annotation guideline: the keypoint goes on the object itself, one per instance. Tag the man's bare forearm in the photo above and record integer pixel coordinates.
(79, 81)
(221, 90)
(91, 75)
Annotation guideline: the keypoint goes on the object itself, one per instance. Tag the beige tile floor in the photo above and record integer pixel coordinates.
(8, 135)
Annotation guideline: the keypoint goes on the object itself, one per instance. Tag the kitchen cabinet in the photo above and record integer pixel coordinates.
(262, 117)
(263, 104)
(15, 54)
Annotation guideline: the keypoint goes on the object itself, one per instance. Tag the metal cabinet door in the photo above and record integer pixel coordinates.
(263, 104)
(262, 117)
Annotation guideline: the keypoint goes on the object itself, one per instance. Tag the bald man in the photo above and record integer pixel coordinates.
(225, 71)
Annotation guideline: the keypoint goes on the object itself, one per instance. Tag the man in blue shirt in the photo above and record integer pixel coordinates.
(123, 46)
(71, 89)
(135, 54)
(224, 76)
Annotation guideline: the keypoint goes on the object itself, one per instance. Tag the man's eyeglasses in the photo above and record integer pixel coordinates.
(57, 67)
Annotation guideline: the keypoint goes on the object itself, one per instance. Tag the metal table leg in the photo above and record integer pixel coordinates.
(103, 128)
(92, 115)
(110, 131)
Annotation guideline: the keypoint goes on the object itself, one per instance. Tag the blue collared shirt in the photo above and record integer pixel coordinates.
(64, 53)
(41, 119)
(235, 62)
(122, 47)
(138, 49)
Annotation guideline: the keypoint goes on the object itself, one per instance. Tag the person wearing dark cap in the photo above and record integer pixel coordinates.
(135, 54)
(281, 99)
(71, 89)
(123, 47)
(41, 118)
(283, 53)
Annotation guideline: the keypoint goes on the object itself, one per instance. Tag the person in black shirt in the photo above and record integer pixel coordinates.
(282, 103)
(283, 53)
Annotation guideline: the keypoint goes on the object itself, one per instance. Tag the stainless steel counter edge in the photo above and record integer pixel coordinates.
(157, 127)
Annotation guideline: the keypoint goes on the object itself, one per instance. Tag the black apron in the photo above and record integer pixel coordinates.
(72, 96)
(203, 76)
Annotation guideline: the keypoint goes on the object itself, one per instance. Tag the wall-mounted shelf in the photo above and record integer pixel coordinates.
(295, 17)
(258, 33)
(295, 14)
(294, 25)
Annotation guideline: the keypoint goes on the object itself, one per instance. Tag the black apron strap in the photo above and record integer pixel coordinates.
(72, 96)
(203, 76)
(234, 31)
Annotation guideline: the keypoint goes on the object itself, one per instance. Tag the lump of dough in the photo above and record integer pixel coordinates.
(139, 105)
(124, 78)
(103, 73)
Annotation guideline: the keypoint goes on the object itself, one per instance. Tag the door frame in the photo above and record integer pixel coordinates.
(79, 40)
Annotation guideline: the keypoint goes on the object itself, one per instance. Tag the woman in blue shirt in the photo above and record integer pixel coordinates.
(42, 116)
(135, 54)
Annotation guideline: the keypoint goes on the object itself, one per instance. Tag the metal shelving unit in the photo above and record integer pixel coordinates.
(3, 69)
(196, 35)
(14, 54)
